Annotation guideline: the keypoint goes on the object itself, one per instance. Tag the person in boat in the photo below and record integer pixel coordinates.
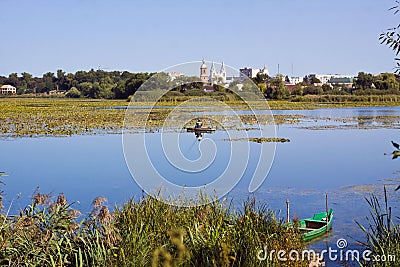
(199, 124)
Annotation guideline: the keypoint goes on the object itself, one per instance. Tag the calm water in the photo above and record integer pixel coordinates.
(347, 164)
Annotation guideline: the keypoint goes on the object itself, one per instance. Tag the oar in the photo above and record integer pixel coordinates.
(287, 211)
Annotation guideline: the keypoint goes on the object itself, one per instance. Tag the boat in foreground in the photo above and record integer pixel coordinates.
(316, 226)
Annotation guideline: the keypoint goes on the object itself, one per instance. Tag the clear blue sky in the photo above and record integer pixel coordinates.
(316, 36)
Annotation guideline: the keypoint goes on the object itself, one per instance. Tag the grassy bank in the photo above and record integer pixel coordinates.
(143, 233)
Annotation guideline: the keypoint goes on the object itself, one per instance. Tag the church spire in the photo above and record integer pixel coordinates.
(222, 71)
(212, 67)
(212, 73)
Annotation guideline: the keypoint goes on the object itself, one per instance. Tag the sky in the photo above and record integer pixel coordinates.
(302, 37)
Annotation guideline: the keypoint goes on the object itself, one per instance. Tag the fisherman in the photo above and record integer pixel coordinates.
(199, 124)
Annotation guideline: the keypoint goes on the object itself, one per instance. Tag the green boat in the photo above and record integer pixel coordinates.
(316, 226)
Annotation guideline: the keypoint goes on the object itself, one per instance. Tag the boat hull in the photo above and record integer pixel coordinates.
(316, 226)
(200, 130)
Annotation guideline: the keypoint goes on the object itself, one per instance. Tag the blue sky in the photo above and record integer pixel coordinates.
(315, 36)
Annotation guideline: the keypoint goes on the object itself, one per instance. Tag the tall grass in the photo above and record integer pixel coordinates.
(382, 234)
(146, 232)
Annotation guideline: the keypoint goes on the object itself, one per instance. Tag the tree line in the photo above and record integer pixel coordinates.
(363, 84)
(122, 84)
(91, 84)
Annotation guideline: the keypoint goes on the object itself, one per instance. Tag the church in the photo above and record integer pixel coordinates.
(214, 76)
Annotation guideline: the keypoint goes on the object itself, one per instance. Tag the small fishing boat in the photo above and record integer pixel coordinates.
(316, 226)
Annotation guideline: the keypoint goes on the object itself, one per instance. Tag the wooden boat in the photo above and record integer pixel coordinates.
(200, 130)
(316, 226)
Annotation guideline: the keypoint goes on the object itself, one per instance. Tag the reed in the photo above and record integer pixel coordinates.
(145, 232)
(382, 234)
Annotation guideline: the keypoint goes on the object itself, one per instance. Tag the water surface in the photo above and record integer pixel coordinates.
(346, 164)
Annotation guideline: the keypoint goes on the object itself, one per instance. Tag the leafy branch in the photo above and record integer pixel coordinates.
(391, 37)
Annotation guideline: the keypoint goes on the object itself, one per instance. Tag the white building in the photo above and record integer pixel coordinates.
(214, 76)
(203, 72)
(217, 77)
(173, 75)
(8, 89)
(325, 78)
(252, 72)
(295, 80)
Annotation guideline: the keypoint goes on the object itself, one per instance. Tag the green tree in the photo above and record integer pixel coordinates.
(262, 87)
(48, 80)
(85, 88)
(364, 81)
(13, 80)
(279, 90)
(261, 78)
(386, 81)
(73, 93)
(298, 90)
(61, 82)
(27, 79)
(314, 80)
(326, 87)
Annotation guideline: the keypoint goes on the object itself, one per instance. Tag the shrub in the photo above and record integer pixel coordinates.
(73, 93)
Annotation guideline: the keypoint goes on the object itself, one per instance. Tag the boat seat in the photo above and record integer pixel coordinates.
(307, 229)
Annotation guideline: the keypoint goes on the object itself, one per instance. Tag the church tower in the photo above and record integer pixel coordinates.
(203, 72)
(212, 73)
(222, 73)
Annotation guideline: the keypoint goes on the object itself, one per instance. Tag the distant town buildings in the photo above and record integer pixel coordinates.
(217, 77)
(203, 72)
(347, 81)
(295, 80)
(174, 74)
(326, 78)
(209, 78)
(8, 89)
(214, 77)
(252, 72)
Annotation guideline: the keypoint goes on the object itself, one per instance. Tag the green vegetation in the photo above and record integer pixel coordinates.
(391, 37)
(122, 85)
(365, 87)
(382, 234)
(147, 232)
(58, 117)
(27, 117)
(262, 139)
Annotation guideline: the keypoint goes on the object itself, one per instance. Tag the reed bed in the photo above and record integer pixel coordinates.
(382, 234)
(147, 232)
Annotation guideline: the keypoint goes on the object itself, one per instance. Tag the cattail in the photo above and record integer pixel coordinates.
(98, 202)
(40, 199)
(61, 200)
(74, 213)
(105, 215)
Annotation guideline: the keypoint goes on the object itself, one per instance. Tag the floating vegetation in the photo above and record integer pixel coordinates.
(58, 117)
(269, 140)
(261, 139)
(24, 117)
